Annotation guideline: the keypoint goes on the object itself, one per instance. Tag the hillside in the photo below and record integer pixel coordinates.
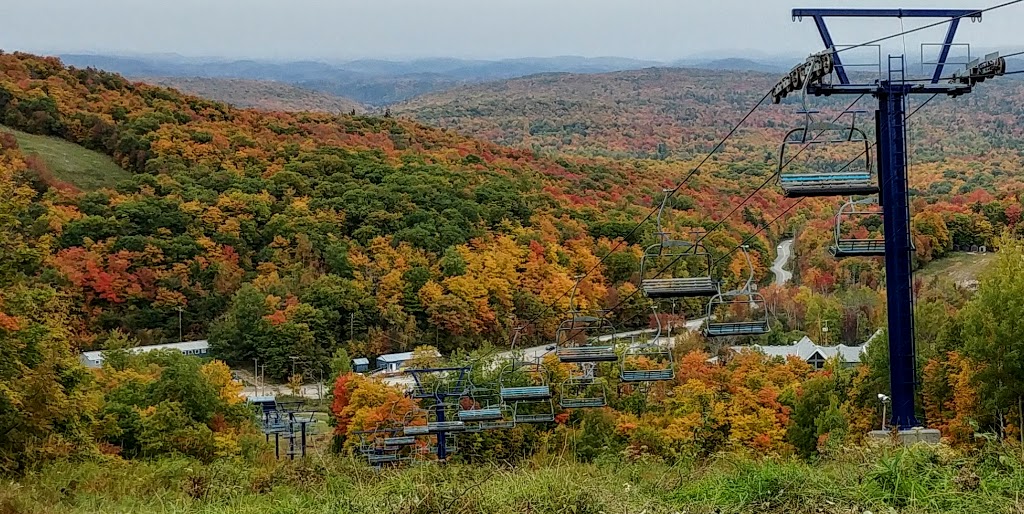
(368, 81)
(260, 94)
(70, 163)
(411, 232)
(962, 269)
(667, 112)
(300, 240)
(410, 221)
(654, 112)
(921, 480)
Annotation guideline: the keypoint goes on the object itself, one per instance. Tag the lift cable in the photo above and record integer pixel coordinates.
(623, 239)
(736, 127)
(726, 217)
(951, 19)
(751, 237)
(775, 174)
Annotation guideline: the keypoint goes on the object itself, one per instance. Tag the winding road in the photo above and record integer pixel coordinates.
(783, 254)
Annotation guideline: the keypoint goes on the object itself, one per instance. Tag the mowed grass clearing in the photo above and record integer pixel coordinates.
(83, 168)
(961, 268)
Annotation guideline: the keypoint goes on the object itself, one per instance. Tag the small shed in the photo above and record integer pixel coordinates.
(361, 365)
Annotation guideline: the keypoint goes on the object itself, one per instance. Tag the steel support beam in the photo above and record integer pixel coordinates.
(826, 37)
(442, 437)
(819, 16)
(439, 398)
(944, 53)
(889, 13)
(898, 278)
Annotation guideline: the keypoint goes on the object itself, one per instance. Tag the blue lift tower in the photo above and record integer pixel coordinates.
(825, 74)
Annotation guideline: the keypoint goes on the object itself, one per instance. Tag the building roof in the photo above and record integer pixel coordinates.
(399, 357)
(395, 357)
(805, 349)
(361, 361)
(97, 355)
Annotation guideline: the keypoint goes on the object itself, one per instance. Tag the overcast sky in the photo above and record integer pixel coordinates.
(347, 29)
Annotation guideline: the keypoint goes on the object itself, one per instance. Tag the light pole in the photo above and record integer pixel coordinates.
(885, 402)
(320, 386)
(180, 337)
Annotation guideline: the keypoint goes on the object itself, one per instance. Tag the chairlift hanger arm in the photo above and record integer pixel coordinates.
(819, 16)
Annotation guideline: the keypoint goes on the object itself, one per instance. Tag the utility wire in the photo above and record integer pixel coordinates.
(650, 214)
(778, 171)
(930, 25)
(735, 209)
(752, 236)
(963, 77)
(770, 223)
(736, 127)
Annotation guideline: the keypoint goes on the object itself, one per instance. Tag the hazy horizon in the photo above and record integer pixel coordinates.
(321, 30)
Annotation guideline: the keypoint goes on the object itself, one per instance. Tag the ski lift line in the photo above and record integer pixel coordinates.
(650, 214)
(776, 174)
(762, 229)
(972, 14)
(736, 127)
(963, 76)
(791, 207)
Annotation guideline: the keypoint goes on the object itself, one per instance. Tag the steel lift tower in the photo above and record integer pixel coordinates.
(892, 92)
(453, 387)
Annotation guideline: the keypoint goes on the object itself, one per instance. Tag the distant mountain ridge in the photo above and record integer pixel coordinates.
(264, 95)
(382, 82)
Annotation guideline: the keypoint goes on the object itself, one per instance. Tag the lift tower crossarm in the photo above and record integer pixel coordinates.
(889, 13)
(819, 16)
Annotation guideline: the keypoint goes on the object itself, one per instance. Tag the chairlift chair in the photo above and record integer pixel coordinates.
(851, 246)
(507, 419)
(674, 251)
(451, 446)
(584, 391)
(486, 411)
(482, 414)
(396, 440)
(415, 423)
(671, 253)
(715, 326)
(827, 177)
(530, 403)
(648, 361)
(443, 417)
(433, 383)
(378, 454)
(579, 339)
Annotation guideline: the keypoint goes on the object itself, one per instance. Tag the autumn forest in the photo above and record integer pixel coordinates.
(460, 220)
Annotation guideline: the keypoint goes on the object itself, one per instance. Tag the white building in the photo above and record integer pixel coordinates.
(94, 359)
(813, 354)
(395, 361)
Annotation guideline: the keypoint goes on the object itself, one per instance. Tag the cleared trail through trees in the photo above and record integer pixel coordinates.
(783, 254)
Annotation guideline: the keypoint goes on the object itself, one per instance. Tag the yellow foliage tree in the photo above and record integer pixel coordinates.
(218, 374)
